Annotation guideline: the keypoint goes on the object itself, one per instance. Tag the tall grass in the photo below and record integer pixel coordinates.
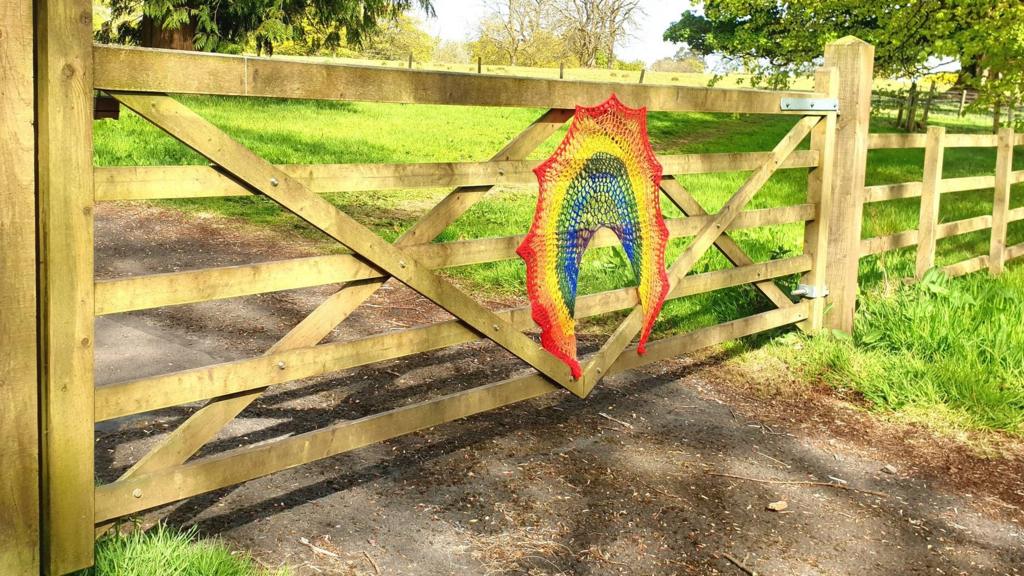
(163, 551)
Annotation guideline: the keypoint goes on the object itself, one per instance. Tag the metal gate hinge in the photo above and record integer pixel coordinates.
(810, 104)
(810, 291)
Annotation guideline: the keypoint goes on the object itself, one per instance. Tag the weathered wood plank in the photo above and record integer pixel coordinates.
(160, 182)
(885, 192)
(147, 70)
(19, 410)
(206, 139)
(947, 185)
(879, 141)
(967, 266)
(819, 193)
(276, 367)
(174, 288)
(1001, 202)
(153, 489)
(854, 59)
(1015, 251)
(909, 237)
(64, 127)
(929, 212)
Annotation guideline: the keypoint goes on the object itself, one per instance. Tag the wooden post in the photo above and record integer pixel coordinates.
(64, 92)
(819, 193)
(928, 104)
(911, 108)
(410, 61)
(899, 113)
(561, 70)
(854, 60)
(963, 102)
(479, 64)
(929, 215)
(996, 109)
(1001, 202)
(19, 426)
(642, 72)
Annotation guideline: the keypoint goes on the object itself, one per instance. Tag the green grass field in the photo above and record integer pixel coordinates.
(322, 132)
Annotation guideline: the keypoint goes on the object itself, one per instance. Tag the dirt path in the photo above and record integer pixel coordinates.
(640, 478)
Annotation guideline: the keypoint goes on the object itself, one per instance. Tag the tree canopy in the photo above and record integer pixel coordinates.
(265, 23)
(775, 39)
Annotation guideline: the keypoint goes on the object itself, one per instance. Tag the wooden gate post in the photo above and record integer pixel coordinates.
(64, 92)
(1001, 201)
(928, 215)
(854, 59)
(19, 439)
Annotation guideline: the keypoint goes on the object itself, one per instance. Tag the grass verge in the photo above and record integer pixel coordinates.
(163, 551)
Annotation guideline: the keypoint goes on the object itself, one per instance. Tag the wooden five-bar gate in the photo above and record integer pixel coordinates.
(50, 505)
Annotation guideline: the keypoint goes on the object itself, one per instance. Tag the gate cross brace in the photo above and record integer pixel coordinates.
(725, 244)
(208, 420)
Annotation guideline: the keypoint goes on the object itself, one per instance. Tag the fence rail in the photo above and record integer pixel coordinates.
(930, 189)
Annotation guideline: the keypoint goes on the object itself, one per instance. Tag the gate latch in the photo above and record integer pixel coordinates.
(810, 104)
(810, 291)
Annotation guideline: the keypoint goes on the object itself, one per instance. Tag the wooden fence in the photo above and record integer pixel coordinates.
(930, 190)
(69, 69)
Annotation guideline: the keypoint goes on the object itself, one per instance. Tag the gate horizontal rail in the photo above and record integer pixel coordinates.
(148, 70)
(165, 182)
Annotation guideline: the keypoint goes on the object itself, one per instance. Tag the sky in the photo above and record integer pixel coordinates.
(457, 20)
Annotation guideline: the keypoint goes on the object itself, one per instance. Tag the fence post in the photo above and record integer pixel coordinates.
(19, 426)
(1001, 202)
(928, 104)
(928, 220)
(64, 93)
(854, 59)
(963, 103)
(819, 193)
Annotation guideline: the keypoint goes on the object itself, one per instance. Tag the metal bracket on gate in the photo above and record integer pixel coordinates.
(810, 104)
(810, 291)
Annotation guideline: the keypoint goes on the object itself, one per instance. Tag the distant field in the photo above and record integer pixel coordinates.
(329, 132)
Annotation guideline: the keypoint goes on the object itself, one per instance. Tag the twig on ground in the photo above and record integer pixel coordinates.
(616, 420)
(372, 563)
(799, 483)
(772, 459)
(305, 542)
(738, 564)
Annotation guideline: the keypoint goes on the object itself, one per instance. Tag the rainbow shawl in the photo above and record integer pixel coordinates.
(604, 173)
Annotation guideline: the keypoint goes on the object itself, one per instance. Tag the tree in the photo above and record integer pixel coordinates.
(593, 28)
(776, 39)
(684, 62)
(213, 24)
(506, 35)
(398, 38)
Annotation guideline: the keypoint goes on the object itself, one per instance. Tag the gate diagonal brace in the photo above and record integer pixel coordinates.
(194, 131)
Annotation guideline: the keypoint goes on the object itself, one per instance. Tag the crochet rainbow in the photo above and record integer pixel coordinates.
(604, 173)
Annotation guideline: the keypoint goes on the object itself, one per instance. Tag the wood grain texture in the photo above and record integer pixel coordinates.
(928, 219)
(64, 125)
(174, 288)
(854, 59)
(819, 194)
(1001, 202)
(147, 70)
(162, 182)
(19, 425)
